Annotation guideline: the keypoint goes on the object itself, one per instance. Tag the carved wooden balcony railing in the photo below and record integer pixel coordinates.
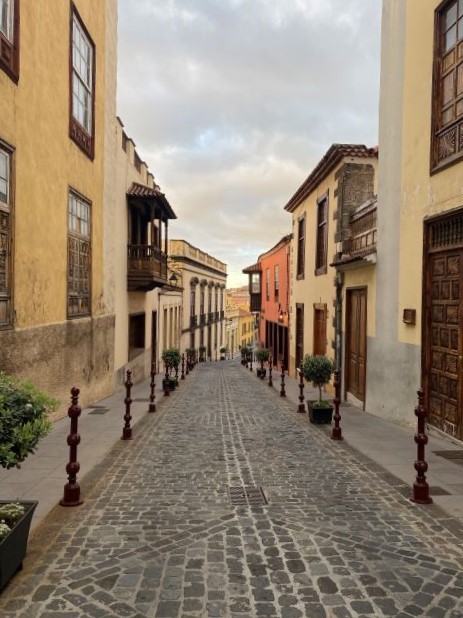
(255, 302)
(202, 319)
(363, 232)
(146, 267)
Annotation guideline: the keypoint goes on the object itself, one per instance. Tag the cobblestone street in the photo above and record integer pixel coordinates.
(159, 535)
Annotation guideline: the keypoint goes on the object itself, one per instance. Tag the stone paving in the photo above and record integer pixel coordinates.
(159, 537)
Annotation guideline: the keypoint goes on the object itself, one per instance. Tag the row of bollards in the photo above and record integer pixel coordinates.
(420, 493)
(71, 495)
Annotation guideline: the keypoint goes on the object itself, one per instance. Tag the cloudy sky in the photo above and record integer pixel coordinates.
(233, 102)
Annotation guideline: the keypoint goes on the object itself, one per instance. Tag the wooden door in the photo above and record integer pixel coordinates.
(299, 334)
(443, 345)
(356, 342)
(319, 330)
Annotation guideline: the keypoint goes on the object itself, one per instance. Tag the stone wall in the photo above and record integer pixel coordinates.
(57, 357)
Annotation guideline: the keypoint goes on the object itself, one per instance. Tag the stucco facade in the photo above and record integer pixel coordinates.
(203, 279)
(343, 179)
(46, 161)
(146, 319)
(415, 194)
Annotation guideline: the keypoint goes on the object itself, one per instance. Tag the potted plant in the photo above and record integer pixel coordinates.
(262, 355)
(223, 351)
(318, 370)
(190, 358)
(171, 360)
(244, 350)
(23, 422)
(202, 353)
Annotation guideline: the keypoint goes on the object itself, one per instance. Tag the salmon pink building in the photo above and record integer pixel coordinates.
(269, 291)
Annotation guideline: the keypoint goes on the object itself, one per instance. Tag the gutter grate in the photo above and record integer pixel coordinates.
(248, 495)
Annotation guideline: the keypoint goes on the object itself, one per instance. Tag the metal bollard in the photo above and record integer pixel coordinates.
(182, 377)
(71, 495)
(152, 406)
(127, 429)
(420, 486)
(270, 381)
(301, 407)
(336, 433)
(282, 389)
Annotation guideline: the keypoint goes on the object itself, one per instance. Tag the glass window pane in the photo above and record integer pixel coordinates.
(460, 28)
(451, 16)
(450, 38)
(3, 165)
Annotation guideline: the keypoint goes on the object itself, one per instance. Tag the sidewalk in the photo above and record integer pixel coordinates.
(392, 446)
(42, 476)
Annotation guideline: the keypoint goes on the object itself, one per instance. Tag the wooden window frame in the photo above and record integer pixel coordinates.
(276, 282)
(78, 133)
(446, 140)
(9, 47)
(321, 258)
(6, 219)
(267, 284)
(82, 240)
(301, 233)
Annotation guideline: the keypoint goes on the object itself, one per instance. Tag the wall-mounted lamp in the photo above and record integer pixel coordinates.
(173, 279)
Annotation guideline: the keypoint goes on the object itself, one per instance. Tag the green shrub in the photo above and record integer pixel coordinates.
(317, 369)
(171, 357)
(11, 513)
(23, 420)
(262, 354)
(4, 530)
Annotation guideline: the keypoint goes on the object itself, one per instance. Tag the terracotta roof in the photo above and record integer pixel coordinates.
(283, 241)
(151, 193)
(334, 154)
(255, 268)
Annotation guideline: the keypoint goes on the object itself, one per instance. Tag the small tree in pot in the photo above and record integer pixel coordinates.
(190, 358)
(223, 351)
(171, 360)
(24, 411)
(318, 370)
(262, 355)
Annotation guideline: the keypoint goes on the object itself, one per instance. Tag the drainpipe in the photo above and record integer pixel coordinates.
(339, 283)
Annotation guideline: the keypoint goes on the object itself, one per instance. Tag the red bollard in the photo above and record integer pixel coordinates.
(127, 429)
(336, 433)
(420, 486)
(71, 496)
(270, 381)
(282, 389)
(182, 377)
(152, 406)
(250, 362)
(301, 407)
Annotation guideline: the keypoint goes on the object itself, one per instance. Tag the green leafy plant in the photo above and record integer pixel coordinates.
(23, 419)
(4, 530)
(223, 350)
(11, 513)
(262, 354)
(171, 357)
(318, 370)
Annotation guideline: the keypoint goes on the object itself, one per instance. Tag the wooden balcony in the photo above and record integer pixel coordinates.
(146, 268)
(255, 303)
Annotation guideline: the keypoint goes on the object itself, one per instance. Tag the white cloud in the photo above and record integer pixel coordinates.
(232, 102)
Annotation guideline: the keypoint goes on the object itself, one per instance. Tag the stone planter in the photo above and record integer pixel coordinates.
(14, 545)
(319, 414)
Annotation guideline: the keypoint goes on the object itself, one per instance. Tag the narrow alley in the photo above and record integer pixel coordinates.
(176, 524)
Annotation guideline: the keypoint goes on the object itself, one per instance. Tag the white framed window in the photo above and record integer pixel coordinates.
(4, 177)
(7, 19)
(82, 76)
(79, 256)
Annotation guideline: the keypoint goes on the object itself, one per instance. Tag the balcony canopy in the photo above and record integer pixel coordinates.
(151, 197)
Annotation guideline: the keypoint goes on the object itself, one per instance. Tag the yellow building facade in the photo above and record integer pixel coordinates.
(419, 322)
(342, 180)
(56, 100)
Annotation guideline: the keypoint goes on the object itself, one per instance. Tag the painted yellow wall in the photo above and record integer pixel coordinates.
(47, 162)
(422, 194)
